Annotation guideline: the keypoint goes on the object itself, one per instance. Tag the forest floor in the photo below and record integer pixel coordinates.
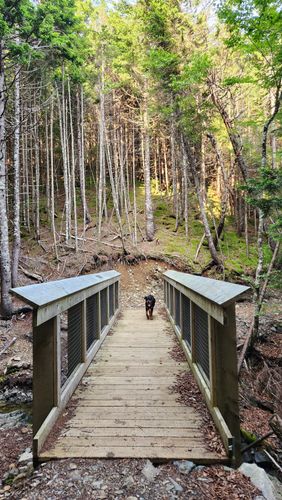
(260, 388)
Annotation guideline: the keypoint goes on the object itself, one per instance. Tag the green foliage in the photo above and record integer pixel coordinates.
(256, 29)
(265, 192)
(193, 72)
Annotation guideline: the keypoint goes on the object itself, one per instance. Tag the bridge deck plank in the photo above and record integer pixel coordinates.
(124, 406)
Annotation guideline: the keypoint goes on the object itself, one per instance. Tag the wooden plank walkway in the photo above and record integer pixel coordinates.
(124, 407)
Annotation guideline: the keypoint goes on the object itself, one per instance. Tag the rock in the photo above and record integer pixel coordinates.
(75, 475)
(260, 479)
(184, 466)
(26, 456)
(97, 485)
(131, 498)
(12, 419)
(199, 467)
(72, 466)
(177, 487)
(21, 476)
(129, 482)
(149, 471)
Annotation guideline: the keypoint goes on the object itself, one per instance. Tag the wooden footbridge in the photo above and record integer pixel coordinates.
(120, 399)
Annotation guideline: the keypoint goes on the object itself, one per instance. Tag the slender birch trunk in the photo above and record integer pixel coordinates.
(37, 177)
(134, 188)
(61, 112)
(81, 162)
(101, 152)
(72, 170)
(52, 193)
(47, 166)
(16, 219)
(5, 268)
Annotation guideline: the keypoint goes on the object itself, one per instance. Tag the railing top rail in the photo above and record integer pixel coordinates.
(218, 292)
(42, 294)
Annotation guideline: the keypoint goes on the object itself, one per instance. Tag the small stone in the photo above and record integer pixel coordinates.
(72, 466)
(26, 456)
(131, 498)
(103, 494)
(177, 487)
(129, 482)
(184, 466)
(259, 478)
(149, 471)
(75, 475)
(7, 487)
(24, 430)
(22, 475)
(97, 485)
(199, 467)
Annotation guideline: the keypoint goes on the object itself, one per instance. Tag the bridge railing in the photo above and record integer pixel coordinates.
(71, 319)
(202, 312)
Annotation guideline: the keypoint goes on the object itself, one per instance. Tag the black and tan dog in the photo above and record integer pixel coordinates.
(149, 305)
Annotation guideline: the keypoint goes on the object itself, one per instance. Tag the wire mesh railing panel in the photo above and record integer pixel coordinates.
(104, 306)
(186, 320)
(201, 335)
(74, 337)
(92, 320)
(116, 295)
(171, 301)
(177, 307)
(64, 346)
(111, 300)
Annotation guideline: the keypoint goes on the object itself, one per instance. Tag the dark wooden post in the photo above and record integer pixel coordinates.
(46, 370)
(226, 374)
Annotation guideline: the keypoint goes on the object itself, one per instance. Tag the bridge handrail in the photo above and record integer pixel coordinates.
(91, 303)
(202, 312)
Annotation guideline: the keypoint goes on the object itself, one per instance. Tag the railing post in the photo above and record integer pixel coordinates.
(46, 369)
(212, 361)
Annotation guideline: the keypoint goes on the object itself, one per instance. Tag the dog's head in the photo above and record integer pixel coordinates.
(149, 301)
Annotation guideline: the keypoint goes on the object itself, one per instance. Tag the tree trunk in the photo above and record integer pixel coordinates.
(37, 177)
(185, 190)
(150, 227)
(72, 161)
(224, 194)
(259, 270)
(234, 137)
(81, 163)
(16, 220)
(6, 303)
(213, 251)
(52, 194)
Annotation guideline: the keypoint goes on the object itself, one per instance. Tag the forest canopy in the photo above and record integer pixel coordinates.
(160, 117)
